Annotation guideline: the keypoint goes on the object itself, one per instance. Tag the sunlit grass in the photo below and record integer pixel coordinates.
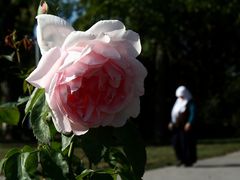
(159, 156)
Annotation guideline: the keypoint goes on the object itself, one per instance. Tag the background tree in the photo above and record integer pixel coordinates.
(184, 42)
(194, 43)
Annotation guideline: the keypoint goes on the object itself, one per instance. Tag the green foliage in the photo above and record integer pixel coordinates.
(107, 174)
(33, 99)
(39, 115)
(66, 141)
(20, 164)
(9, 113)
(133, 147)
(92, 147)
(8, 57)
(118, 160)
(53, 163)
(98, 144)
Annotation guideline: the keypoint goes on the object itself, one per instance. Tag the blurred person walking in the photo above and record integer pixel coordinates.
(182, 127)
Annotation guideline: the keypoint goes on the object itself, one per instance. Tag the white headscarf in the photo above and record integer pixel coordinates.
(180, 104)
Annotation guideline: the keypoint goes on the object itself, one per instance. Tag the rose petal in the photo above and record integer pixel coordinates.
(106, 51)
(60, 121)
(74, 71)
(128, 41)
(115, 74)
(103, 37)
(132, 110)
(133, 38)
(140, 74)
(60, 113)
(115, 30)
(51, 31)
(74, 55)
(105, 120)
(79, 129)
(125, 48)
(78, 37)
(119, 119)
(106, 26)
(47, 67)
(94, 60)
(75, 84)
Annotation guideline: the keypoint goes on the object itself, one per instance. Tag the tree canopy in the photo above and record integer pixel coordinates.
(184, 42)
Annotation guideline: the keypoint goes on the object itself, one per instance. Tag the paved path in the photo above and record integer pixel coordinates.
(218, 168)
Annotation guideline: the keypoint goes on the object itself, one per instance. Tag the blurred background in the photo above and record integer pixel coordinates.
(184, 42)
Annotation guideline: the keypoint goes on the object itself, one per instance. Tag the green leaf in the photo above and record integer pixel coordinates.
(92, 147)
(20, 164)
(39, 114)
(8, 57)
(11, 152)
(117, 159)
(11, 164)
(102, 176)
(133, 147)
(119, 162)
(22, 100)
(56, 146)
(31, 163)
(33, 99)
(53, 163)
(2, 161)
(7, 155)
(108, 174)
(94, 142)
(85, 173)
(27, 165)
(66, 141)
(9, 113)
(26, 86)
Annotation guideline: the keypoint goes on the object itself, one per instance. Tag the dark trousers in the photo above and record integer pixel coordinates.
(184, 144)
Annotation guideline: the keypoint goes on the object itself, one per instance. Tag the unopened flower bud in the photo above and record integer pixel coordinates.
(43, 8)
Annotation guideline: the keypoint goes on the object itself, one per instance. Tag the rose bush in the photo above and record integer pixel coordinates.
(90, 78)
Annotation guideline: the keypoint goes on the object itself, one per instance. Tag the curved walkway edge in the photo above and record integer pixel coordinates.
(218, 168)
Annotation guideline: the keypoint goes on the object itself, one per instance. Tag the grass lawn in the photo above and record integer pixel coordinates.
(159, 156)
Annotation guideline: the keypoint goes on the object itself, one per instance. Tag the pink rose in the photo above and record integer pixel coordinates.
(91, 78)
